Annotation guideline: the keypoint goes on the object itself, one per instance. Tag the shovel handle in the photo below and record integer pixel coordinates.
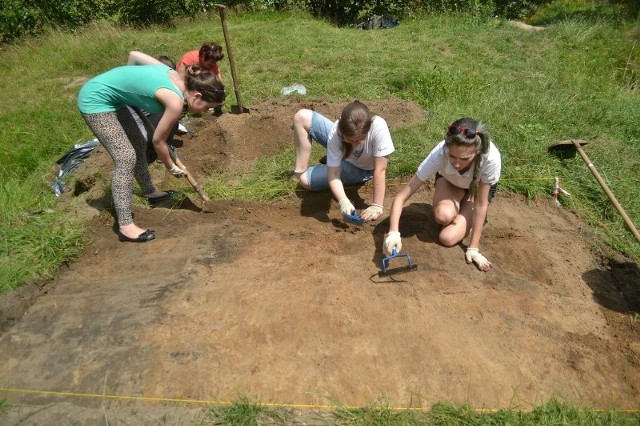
(354, 218)
(151, 128)
(606, 189)
(222, 9)
(190, 178)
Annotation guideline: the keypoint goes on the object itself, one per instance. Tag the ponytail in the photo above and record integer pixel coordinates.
(480, 140)
(206, 83)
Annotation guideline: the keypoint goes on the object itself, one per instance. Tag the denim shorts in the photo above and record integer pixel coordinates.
(318, 175)
(320, 128)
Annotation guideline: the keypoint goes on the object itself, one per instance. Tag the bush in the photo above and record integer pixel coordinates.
(337, 11)
(17, 19)
(29, 17)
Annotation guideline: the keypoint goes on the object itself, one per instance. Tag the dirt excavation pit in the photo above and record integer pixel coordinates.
(281, 301)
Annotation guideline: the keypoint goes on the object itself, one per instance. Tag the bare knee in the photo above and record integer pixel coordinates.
(447, 239)
(302, 119)
(304, 181)
(453, 232)
(444, 216)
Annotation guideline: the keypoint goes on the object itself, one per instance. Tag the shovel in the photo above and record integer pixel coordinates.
(235, 109)
(567, 147)
(386, 270)
(151, 128)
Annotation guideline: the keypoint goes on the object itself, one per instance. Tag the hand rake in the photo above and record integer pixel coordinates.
(386, 271)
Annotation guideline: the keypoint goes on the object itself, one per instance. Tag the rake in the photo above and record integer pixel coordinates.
(386, 270)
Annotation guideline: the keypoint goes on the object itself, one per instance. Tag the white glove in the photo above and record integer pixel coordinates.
(346, 208)
(372, 212)
(393, 241)
(177, 171)
(473, 255)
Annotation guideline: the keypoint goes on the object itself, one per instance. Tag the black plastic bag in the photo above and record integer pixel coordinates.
(70, 161)
(377, 22)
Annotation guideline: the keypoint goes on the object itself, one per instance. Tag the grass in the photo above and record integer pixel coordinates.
(245, 412)
(36, 238)
(576, 79)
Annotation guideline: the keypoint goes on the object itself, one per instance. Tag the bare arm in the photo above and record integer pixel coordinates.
(379, 179)
(138, 58)
(337, 188)
(182, 69)
(481, 205)
(399, 201)
(173, 109)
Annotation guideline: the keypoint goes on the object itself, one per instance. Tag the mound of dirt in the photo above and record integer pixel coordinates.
(282, 301)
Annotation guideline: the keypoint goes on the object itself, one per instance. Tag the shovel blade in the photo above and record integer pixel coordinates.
(237, 109)
(570, 143)
(566, 149)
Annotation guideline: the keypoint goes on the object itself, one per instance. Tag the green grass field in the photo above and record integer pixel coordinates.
(574, 80)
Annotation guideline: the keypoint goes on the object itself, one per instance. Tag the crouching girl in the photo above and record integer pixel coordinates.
(467, 166)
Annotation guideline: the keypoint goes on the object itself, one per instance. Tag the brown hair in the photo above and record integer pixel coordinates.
(355, 120)
(480, 141)
(210, 52)
(167, 61)
(205, 82)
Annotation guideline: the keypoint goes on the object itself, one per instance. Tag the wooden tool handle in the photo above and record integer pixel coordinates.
(190, 178)
(151, 128)
(607, 191)
(232, 65)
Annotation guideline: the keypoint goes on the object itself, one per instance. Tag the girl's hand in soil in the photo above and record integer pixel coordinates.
(473, 255)
(346, 208)
(392, 242)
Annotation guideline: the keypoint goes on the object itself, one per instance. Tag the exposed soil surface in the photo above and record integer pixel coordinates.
(281, 301)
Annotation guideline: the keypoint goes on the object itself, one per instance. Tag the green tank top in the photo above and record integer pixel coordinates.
(133, 85)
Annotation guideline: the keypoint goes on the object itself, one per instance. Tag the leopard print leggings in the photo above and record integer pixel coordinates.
(121, 137)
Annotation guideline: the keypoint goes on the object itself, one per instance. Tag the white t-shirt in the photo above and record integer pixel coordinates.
(377, 144)
(438, 161)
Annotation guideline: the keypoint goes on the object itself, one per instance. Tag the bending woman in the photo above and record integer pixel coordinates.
(148, 84)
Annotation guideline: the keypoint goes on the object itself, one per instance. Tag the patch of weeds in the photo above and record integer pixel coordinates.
(4, 404)
(422, 86)
(241, 412)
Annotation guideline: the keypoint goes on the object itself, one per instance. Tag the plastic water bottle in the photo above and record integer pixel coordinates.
(294, 88)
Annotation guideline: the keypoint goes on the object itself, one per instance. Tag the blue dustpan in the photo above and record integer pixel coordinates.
(354, 218)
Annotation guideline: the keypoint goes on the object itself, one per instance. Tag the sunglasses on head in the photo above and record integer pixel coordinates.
(468, 133)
